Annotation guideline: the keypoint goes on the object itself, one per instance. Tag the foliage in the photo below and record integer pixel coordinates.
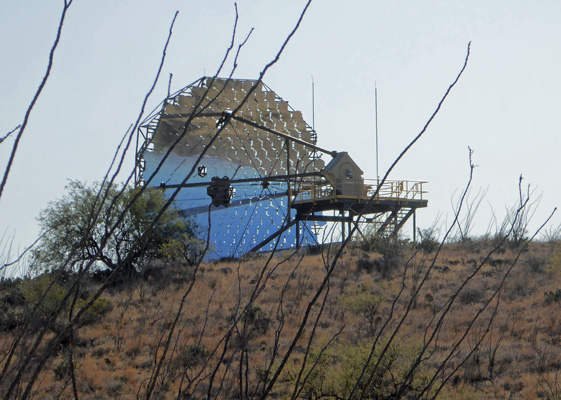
(392, 250)
(554, 264)
(77, 226)
(255, 319)
(428, 242)
(62, 371)
(10, 319)
(192, 356)
(45, 295)
(471, 294)
(466, 218)
(10, 293)
(99, 308)
(552, 297)
(35, 300)
(186, 248)
(536, 263)
(334, 373)
(124, 343)
(517, 219)
(364, 301)
(11, 298)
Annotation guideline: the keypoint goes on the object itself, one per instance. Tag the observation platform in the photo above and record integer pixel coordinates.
(383, 213)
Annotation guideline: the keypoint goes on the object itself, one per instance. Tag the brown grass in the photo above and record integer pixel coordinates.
(519, 359)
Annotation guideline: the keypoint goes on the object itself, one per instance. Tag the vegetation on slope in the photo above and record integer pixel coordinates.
(227, 346)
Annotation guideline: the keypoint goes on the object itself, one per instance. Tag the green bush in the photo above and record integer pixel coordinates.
(337, 369)
(99, 308)
(11, 295)
(255, 320)
(536, 264)
(43, 293)
(364, 301)
(45, 296)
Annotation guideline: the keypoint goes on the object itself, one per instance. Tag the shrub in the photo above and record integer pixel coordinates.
(472, 294)
(186, 249)
(428, 242)
(365, 301)
(99, 308)
(62, 371)
(536, 264)
(46, 296)
(316, 249)
(43, 293)
(192, 356)
(10, 293)
(554, 263)
(257, 319)
(337, 369)
(10, 320)
(552, 297)
(392, 250)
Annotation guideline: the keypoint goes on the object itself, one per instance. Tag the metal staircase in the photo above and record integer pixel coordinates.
(394, 222)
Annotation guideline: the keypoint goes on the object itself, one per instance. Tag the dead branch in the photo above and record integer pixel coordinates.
(344, 244)
(9, 133)
(67, 4)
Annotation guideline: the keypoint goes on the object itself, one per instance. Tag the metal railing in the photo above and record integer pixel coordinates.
(398, 190)
(404, 190)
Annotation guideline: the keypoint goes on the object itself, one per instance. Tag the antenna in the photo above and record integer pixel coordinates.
(313, 106)
(376, 112)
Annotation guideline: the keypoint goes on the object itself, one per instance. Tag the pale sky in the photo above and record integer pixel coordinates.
(507, 105)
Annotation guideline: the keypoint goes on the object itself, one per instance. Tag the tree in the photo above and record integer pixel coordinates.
(76, 226)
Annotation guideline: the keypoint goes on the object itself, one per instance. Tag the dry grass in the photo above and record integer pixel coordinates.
(519, 358)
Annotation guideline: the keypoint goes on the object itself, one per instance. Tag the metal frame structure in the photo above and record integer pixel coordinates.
(380, 212)
(277, 146)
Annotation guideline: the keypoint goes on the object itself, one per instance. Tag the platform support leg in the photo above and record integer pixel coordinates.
(415, 226)
(342, 213)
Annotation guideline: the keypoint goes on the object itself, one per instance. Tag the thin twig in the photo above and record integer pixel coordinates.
(322, 286)
(9, 264)
(55, 340)
(67, 4)
(9, 133)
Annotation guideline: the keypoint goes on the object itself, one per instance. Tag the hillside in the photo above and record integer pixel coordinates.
(224, 329)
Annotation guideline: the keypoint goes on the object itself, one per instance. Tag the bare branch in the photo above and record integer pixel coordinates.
(9, 133)
(67, 4)
(9, 264)
(329, 272)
